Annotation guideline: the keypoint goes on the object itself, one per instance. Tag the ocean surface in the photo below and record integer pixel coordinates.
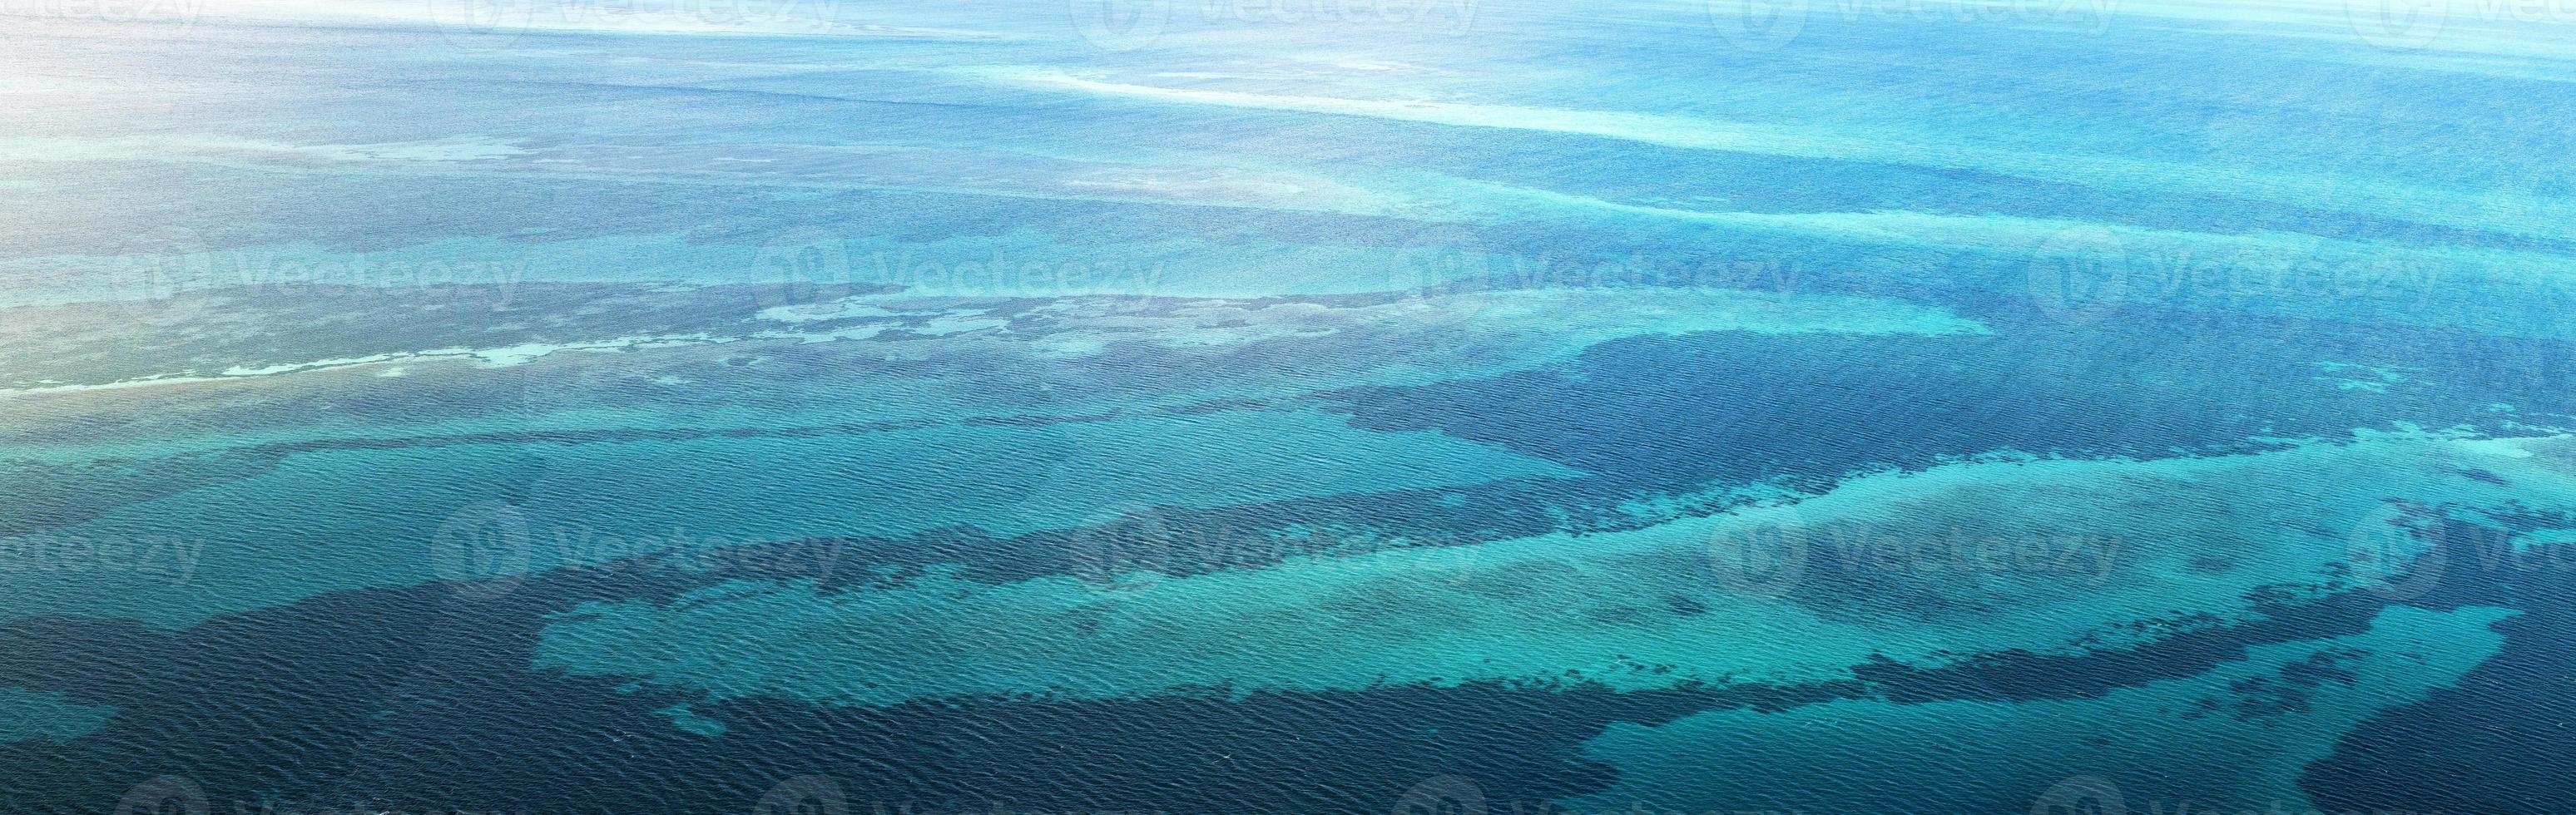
(1427, 407)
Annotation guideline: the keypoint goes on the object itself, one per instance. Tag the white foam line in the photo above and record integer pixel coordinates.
(1642, 127)
(2542, 216)
(501, 357)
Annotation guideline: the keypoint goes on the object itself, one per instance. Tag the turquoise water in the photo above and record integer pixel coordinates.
(37, 715)
(1849, 405)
